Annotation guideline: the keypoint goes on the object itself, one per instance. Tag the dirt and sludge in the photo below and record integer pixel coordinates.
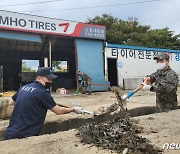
(119, 134)
(146, 131)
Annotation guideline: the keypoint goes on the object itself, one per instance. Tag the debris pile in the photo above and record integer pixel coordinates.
(116, 135)
(119, 134)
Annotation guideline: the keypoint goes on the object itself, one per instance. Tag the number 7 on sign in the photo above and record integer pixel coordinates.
(66, 25)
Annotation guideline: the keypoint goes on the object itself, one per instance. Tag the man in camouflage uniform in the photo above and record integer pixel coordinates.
(85, 82)
(166, 82)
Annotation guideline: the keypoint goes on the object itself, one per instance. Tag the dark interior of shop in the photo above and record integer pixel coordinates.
(13, 51)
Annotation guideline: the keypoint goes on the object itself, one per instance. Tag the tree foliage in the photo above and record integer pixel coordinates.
(56, 66)
(25, 68)
(130, 32)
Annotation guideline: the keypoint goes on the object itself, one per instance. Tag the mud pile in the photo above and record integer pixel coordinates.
(117, 135)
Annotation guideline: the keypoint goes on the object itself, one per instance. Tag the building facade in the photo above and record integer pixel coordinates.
(126, 66)
(50, 41)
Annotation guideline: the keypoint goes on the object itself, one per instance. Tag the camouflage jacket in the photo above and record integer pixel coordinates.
(165, 87)
(85, 77)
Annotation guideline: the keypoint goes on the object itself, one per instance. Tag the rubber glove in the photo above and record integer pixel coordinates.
(78, 110)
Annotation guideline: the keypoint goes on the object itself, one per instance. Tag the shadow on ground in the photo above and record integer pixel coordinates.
(54, 127)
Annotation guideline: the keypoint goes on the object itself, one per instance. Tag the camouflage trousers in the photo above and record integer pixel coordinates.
(165, 106)
(86, 87)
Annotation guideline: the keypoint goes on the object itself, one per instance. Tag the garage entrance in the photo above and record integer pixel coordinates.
(112, 71)
(15, 53)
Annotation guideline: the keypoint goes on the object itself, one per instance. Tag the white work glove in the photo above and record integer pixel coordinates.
(147, 80)
(78, 110)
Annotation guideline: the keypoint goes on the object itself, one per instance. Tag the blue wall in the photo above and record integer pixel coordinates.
(20, 36)
(90, 61)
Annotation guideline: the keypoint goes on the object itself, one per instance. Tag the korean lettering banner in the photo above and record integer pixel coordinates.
(135, 54)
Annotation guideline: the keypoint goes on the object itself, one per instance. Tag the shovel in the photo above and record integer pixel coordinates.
(85, 111)
(123, 98)
(131, 93)
(77, 91)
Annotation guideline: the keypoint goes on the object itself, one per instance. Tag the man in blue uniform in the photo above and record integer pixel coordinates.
(31, 103)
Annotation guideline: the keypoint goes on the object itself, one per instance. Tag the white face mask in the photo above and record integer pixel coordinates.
(161, 66)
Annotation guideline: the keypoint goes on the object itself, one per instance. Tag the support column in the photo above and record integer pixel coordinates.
(50, 53)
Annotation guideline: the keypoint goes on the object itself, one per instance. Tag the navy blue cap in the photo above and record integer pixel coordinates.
(46, 72)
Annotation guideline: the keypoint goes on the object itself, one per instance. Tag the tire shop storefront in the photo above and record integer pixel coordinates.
(50, 42)
(126, 66)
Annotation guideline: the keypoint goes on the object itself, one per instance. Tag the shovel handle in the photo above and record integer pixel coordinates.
(148, 79)
(139, 88)
(85, 111)
(64, 106)
(131, 93)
